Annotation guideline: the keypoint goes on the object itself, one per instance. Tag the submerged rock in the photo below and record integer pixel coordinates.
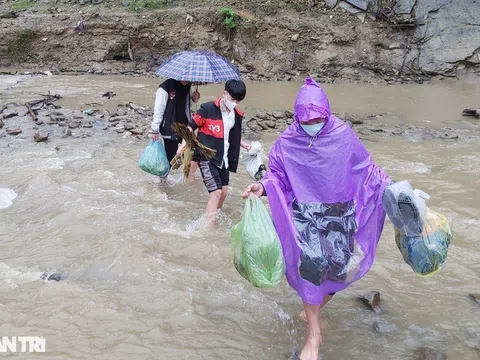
(371, 300)
(109, 94)
(41, 136)
(53, 277)
(425, 353)
(449, 135)
(383, 327)
(475, 298)
(471, 112)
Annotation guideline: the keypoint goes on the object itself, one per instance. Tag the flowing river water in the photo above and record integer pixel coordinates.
(142, 283)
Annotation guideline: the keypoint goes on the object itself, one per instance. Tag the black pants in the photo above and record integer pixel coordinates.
(171, 147)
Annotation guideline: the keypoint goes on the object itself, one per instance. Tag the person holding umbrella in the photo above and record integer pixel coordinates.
(172, 104)
(173, 97)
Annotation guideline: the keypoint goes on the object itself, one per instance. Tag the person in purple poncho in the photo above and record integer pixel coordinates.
(325, 194)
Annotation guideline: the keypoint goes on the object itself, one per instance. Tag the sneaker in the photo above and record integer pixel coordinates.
(405, 207)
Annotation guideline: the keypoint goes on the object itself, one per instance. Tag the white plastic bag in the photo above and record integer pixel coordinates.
(405, 207)
(253, 161)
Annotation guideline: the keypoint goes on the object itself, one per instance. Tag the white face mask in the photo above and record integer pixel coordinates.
(228, 103)
(314, 129)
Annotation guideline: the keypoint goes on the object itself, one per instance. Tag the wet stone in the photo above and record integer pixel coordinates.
(449, 135)
(278, 114)
(383, 327)
(74, 124)
(121, 112)
(425, 353)
(261, 114)
(14, 131)
(475, 298)
(51, 277)
(136, 131)
(40, 136)
(271, 124)
(371, 300)
(9, 113)
(41, 120)
(136, 107)
(263, 125)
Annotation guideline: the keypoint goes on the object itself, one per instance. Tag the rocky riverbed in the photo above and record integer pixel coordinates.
(43, 120)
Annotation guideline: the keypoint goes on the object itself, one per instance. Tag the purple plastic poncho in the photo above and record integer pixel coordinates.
(325, 194)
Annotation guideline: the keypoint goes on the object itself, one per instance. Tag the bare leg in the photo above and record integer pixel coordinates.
(191, 175)
(212, 206)
(314, 337)
(326, 299)
(223, 196)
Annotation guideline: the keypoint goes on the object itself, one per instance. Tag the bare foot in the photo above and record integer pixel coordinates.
(310, 350)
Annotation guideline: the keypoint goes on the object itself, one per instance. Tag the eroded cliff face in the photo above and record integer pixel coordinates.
(353, 40)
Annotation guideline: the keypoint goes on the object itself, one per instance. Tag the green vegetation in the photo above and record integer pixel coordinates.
(22, 5)
(19, 49)
(229, 18)
(139, 5)
(385, 4)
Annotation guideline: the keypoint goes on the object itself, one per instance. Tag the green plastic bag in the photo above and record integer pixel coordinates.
(154, 159)
(257, 252)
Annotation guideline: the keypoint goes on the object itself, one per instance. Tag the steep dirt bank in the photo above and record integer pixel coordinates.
(280, 40)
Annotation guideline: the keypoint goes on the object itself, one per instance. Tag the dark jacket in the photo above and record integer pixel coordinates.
(168, 102)
(209, 122)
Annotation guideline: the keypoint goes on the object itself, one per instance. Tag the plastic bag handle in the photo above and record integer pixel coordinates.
(421, 194)
(250, 203)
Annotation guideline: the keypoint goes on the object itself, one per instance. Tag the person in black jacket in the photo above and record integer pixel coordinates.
(219, 125)
(172, 104)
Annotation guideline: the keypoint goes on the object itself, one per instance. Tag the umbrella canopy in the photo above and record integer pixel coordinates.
(199, 67)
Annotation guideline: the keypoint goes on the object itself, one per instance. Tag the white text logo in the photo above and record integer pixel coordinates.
(22, 344)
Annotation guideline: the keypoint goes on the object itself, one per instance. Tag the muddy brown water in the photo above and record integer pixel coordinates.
(143, 283)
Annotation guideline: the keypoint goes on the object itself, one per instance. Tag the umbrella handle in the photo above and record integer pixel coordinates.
(196, 104)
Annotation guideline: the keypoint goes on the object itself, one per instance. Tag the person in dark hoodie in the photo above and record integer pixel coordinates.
(172, 104)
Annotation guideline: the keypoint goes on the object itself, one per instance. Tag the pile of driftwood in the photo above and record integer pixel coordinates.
(35, 105)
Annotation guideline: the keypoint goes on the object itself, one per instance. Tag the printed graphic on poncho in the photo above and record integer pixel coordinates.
(326, 236)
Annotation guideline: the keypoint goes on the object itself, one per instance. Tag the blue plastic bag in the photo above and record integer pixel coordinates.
(154, 159)
(426, 252)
